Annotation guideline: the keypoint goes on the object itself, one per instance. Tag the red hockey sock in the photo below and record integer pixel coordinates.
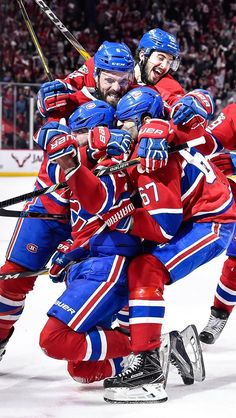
(12, 297)
(146, 279)
(228, 281)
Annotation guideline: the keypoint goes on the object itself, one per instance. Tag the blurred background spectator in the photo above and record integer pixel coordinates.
(205, 29)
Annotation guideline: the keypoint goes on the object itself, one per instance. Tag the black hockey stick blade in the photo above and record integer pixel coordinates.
(31, 195)
(126, 164)
(32, 215)
(22, 274)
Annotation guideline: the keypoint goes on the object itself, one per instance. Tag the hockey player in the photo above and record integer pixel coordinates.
(32, 245)
(223, 132)
(64, 334)
(191, 232)
(107, 76)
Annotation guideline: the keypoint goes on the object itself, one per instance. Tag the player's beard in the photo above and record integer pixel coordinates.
(147, 74)
(110, 97)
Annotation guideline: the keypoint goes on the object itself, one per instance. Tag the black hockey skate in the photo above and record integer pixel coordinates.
(180, 359)
(3, 344)
(142, 381)
(215, 326)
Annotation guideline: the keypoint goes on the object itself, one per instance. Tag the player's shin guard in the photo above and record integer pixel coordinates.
(12, 297)
(59, 341)
(146, 304)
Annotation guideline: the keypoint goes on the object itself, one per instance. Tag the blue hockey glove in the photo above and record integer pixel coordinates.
(60, 261)
(119, 142)
(153, 144)
(196, 107)
(62, 258)
(52, 95)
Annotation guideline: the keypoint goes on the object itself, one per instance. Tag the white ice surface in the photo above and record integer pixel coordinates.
(33, 385)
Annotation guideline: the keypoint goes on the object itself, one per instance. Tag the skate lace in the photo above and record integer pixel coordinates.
(215, 325)
(131, 364)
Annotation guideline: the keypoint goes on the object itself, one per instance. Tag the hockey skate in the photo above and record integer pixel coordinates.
(142, 381)
(3, 344)
(215, 326)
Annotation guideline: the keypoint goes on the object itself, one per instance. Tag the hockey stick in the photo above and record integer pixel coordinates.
(22, 274)
(34, 39)
(108, 170)
(31, 195)
(34, 215)
(71, 38)
(126, 164)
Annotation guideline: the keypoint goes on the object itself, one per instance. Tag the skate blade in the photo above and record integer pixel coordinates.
(145, 394)
(194, 349)
(164, 354)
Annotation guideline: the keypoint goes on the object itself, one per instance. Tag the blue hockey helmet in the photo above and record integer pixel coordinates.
(114, 56)
(140, 102)
(91, 114)
(160, 40)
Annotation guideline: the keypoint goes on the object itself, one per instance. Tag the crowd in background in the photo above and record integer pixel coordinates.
(205, 29)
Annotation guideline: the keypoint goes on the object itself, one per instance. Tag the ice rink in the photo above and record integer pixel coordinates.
(36, 386)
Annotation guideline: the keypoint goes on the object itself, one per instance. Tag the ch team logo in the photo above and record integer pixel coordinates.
(90, 106)
(32, 248)
(136, 94)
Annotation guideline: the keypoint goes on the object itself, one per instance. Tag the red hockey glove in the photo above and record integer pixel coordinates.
(60, 146)
(226, 162)
(97, 141)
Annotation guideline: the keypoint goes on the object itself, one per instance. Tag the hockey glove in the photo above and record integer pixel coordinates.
(102, 141)
(226, 162)
(119, 142)
(60, 261)
(62, 258)
(62, 145)
(153, 144)
(53, 95)
(196, 107)
(48, 132)
(97, 142)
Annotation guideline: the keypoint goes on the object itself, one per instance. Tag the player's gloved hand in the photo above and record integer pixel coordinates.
(226, 162)
(60, 261)
(62, 145)
(97, 142)
(48, 131)
(196, 107)
(120, 216)
(53, 95)
(64, 256)
(55, 138)
(153, 144)
(119, 142)
(113, 142)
